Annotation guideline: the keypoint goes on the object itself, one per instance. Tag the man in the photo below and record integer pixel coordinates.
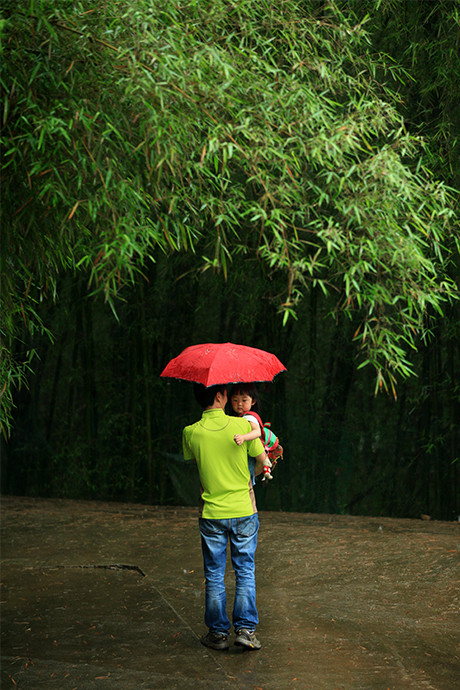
(228, 513)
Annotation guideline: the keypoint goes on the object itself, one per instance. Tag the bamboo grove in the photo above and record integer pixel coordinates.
(280, 174)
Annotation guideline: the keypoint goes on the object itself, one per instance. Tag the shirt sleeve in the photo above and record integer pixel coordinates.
(255, 447)
(187, 451)
(252, 419)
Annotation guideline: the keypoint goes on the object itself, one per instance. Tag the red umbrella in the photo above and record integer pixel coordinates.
(215, 363)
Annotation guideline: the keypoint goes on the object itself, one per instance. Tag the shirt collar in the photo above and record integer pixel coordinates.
(214, 412)
(214, 419)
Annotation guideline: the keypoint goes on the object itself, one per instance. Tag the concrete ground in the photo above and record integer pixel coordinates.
(106, 595)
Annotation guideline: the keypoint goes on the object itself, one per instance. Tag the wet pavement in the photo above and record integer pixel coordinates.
(106, 595)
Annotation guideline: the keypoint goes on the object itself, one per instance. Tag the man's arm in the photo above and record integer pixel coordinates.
(260, 462)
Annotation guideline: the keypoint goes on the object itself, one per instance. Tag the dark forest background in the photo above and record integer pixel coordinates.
(97, 301)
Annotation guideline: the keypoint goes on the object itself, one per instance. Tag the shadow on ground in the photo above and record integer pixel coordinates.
(104, 595)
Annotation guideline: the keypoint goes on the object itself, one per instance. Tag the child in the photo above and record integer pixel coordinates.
(245, 403)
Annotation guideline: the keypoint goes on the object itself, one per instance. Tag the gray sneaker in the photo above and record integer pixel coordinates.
(215, 640)
(247, 638)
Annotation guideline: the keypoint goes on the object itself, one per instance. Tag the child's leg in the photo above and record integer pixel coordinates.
(252, 469)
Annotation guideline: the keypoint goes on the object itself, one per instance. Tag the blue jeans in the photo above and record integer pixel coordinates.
(242, 534)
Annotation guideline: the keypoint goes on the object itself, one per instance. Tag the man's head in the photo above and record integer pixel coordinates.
(210, 397)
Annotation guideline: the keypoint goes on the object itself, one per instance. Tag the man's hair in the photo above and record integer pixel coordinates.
(206, 396)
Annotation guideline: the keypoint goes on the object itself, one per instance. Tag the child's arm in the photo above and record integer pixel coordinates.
(250, 436)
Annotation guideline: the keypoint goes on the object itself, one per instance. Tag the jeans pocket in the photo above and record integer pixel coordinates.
(248, 526)
(210, 527)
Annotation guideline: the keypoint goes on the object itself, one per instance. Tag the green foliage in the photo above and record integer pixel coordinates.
(258, 129)
(422, 38)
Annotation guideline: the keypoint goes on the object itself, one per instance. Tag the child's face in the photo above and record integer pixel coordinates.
(242, 402)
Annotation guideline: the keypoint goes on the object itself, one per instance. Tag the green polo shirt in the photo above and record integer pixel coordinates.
(226, 486)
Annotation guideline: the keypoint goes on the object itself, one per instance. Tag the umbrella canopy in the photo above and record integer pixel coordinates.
(219, 363)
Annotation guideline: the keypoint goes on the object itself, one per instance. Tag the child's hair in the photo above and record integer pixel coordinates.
(206, 396)
(245, 389)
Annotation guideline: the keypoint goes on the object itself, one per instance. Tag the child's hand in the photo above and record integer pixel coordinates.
(238, 439)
